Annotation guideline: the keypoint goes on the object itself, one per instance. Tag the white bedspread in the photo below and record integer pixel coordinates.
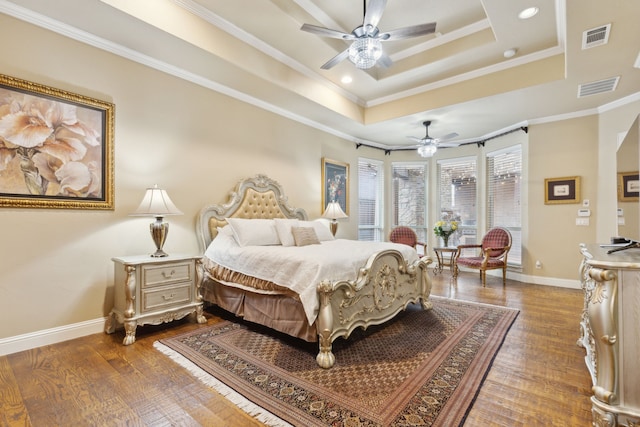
(301, 269)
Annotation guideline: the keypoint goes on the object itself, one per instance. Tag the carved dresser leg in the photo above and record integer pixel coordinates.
(130, 332)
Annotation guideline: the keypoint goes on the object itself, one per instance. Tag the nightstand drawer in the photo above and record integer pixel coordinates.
(166, 297)
(158, 275)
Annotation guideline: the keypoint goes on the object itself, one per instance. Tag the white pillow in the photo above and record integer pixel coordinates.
(322, 230)
(283, 228)
(254, 232)
(225, 231)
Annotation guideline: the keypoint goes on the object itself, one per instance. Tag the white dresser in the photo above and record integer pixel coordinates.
(610, 333)
(154, 290)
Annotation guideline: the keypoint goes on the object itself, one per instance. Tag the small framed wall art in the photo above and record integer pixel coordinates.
(628, 186)
(562, 190)
(56, 148)
(335, 184)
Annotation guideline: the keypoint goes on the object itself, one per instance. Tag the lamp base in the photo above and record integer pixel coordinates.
(159, 231)
(333, 226)
(159, 254)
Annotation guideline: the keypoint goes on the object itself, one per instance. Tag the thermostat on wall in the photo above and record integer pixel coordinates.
(584, 212)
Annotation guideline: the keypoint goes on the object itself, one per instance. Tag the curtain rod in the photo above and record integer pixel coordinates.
(479, 143)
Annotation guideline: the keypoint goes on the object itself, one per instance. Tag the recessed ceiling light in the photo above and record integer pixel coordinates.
(346, 80)
(509, 53)
(529, 12)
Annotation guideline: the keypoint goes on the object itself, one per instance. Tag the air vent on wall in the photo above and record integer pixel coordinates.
(596, 36)
(601, 86)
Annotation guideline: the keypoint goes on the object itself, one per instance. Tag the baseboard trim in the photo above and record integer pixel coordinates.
(63, 333)
(50, 336)
(547, 281)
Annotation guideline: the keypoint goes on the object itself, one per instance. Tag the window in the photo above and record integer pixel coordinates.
(409, 197)
(457, 198)
(504, 173)
(370, 200)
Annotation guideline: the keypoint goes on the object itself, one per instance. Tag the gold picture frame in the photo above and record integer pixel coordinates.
(562, 190)
(335, 184)
(56, 148)
(628, 186)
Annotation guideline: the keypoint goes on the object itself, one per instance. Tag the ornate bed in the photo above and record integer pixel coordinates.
(376, 291)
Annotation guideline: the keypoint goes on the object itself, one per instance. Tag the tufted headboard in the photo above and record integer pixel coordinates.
(257, 197)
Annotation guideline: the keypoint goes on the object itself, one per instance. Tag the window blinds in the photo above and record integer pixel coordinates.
(370, 200)
(504, 173)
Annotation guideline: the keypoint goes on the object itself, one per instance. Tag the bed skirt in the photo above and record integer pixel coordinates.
(259, 308)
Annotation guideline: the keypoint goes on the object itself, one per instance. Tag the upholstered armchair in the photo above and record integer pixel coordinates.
(492, 254)
(407, 236)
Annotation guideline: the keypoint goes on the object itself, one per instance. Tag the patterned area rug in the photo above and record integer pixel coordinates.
(424, 368)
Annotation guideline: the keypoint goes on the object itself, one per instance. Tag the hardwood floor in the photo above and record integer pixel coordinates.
(537, 379)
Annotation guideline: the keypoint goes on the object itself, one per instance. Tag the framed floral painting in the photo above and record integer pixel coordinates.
(335, 184)
(56, 148)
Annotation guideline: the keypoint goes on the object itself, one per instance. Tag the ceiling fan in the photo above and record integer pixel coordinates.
(429, 145)
(365, 50)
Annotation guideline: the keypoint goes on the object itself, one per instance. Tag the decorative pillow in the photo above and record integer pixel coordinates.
(304, 236)
(254, 232)
(321, 229)
(283, 228)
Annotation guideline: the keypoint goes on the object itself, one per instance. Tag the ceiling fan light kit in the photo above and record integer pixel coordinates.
(365, 50)
(427, 150)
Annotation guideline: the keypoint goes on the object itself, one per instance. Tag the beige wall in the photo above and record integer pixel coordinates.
(561, 149)
(196, 143)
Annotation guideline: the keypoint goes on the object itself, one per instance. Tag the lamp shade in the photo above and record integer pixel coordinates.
(334, 211)
(156, 202)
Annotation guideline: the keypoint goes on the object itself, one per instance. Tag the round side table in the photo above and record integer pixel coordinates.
(444, 256)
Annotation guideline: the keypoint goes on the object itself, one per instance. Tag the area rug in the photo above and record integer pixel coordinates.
(424, 368)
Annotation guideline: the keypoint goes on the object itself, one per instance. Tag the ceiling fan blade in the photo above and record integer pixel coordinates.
(374, 13)
(326, 32)
(449, 136)
(447, 144)
(416, 139)
(384, 61)
(336, 59)
(408, 32)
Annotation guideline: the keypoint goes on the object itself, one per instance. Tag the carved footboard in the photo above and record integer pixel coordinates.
(384, 287)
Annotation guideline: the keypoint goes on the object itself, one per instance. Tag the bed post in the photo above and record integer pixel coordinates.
(423, 264)
(324, 322)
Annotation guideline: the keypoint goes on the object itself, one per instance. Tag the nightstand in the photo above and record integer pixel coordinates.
(153, 291)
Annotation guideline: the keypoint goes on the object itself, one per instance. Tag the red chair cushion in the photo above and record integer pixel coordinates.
(476, 262)
(404, 235)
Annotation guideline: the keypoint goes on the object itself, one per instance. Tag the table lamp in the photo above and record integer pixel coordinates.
(334, 212)
(156, 202)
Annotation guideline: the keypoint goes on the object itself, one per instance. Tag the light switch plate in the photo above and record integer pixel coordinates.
(582, 221)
